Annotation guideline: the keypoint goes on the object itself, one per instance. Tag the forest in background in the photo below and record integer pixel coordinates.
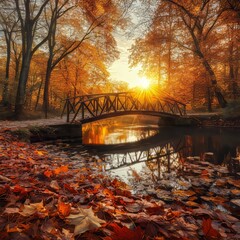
(54, 49)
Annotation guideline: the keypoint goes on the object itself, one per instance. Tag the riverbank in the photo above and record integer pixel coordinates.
(226, 118)
(47, 193)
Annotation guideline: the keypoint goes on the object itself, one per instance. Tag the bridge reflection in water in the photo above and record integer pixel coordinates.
(158, 154)
(163, 151)
(159, 159)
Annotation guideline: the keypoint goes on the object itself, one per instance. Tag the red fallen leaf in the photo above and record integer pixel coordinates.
(159, 210)
(3, 190)
(69, 188)
(64, 209)
(208, 230)
(61, 169)
(108, 193)
(12, 229)
(172, 214)
(19, 189)
(96, 188)
(151, 229)
(105, 215)
(90, 236)
(124, 193)
(48, 173)
(201, 211)
(117, 184)
(125, 233)
(204, 173)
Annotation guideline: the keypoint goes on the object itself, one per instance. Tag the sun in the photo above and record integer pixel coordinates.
(143, 83)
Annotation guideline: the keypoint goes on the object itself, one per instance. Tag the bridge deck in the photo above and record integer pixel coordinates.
(93, 107)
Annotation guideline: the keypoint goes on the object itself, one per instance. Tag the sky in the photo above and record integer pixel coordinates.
(120, 70)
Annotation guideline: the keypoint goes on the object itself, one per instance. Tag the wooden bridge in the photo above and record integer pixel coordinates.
(89, 108)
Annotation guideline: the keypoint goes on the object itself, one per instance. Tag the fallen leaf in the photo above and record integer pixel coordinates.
(67, 234)
(202, 211)
(133, 207)
(236, 202)
(11, 210)
(158, 210)
(214, 199)
(125, 233)
(54, 184)
(48, 173)
(64, 209)
(61, 169)
(84, 220)
(183, 193)
(204, 173)
(235, 192)
(234, 182)
(30, 209)
(40, 153)
(108, 193)
(208, 230)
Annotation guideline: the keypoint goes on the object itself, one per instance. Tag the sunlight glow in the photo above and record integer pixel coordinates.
(144, 83)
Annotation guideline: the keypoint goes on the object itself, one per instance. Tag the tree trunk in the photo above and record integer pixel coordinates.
(46, 88)
(22, 84)
(209, 99)
(232, 73)
(38, 95)
(217, 91)
(51, 45)
(5, 99)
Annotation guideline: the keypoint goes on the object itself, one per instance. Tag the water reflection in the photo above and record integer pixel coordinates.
(158, 159)
(158, 152)
(123, 130)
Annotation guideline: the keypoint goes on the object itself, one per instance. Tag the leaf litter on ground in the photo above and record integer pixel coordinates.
(46, 193)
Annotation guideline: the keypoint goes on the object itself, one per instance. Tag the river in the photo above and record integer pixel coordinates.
(135, 145)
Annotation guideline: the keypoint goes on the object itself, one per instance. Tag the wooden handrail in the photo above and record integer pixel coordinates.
(96, 105)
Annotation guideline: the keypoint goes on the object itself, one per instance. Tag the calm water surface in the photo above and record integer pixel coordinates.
(135, 145)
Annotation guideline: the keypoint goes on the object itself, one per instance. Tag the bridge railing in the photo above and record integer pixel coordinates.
(95, 105)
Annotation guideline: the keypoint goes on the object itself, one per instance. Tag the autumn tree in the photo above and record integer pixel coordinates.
(33, 36)
(56, 11)
(196, 30)
(8, 23)
(95, 23)
(155, 51)
(232, 48)
(82, 72)
(200, 18)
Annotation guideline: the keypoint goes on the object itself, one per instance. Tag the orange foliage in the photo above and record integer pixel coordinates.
(64, 209)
